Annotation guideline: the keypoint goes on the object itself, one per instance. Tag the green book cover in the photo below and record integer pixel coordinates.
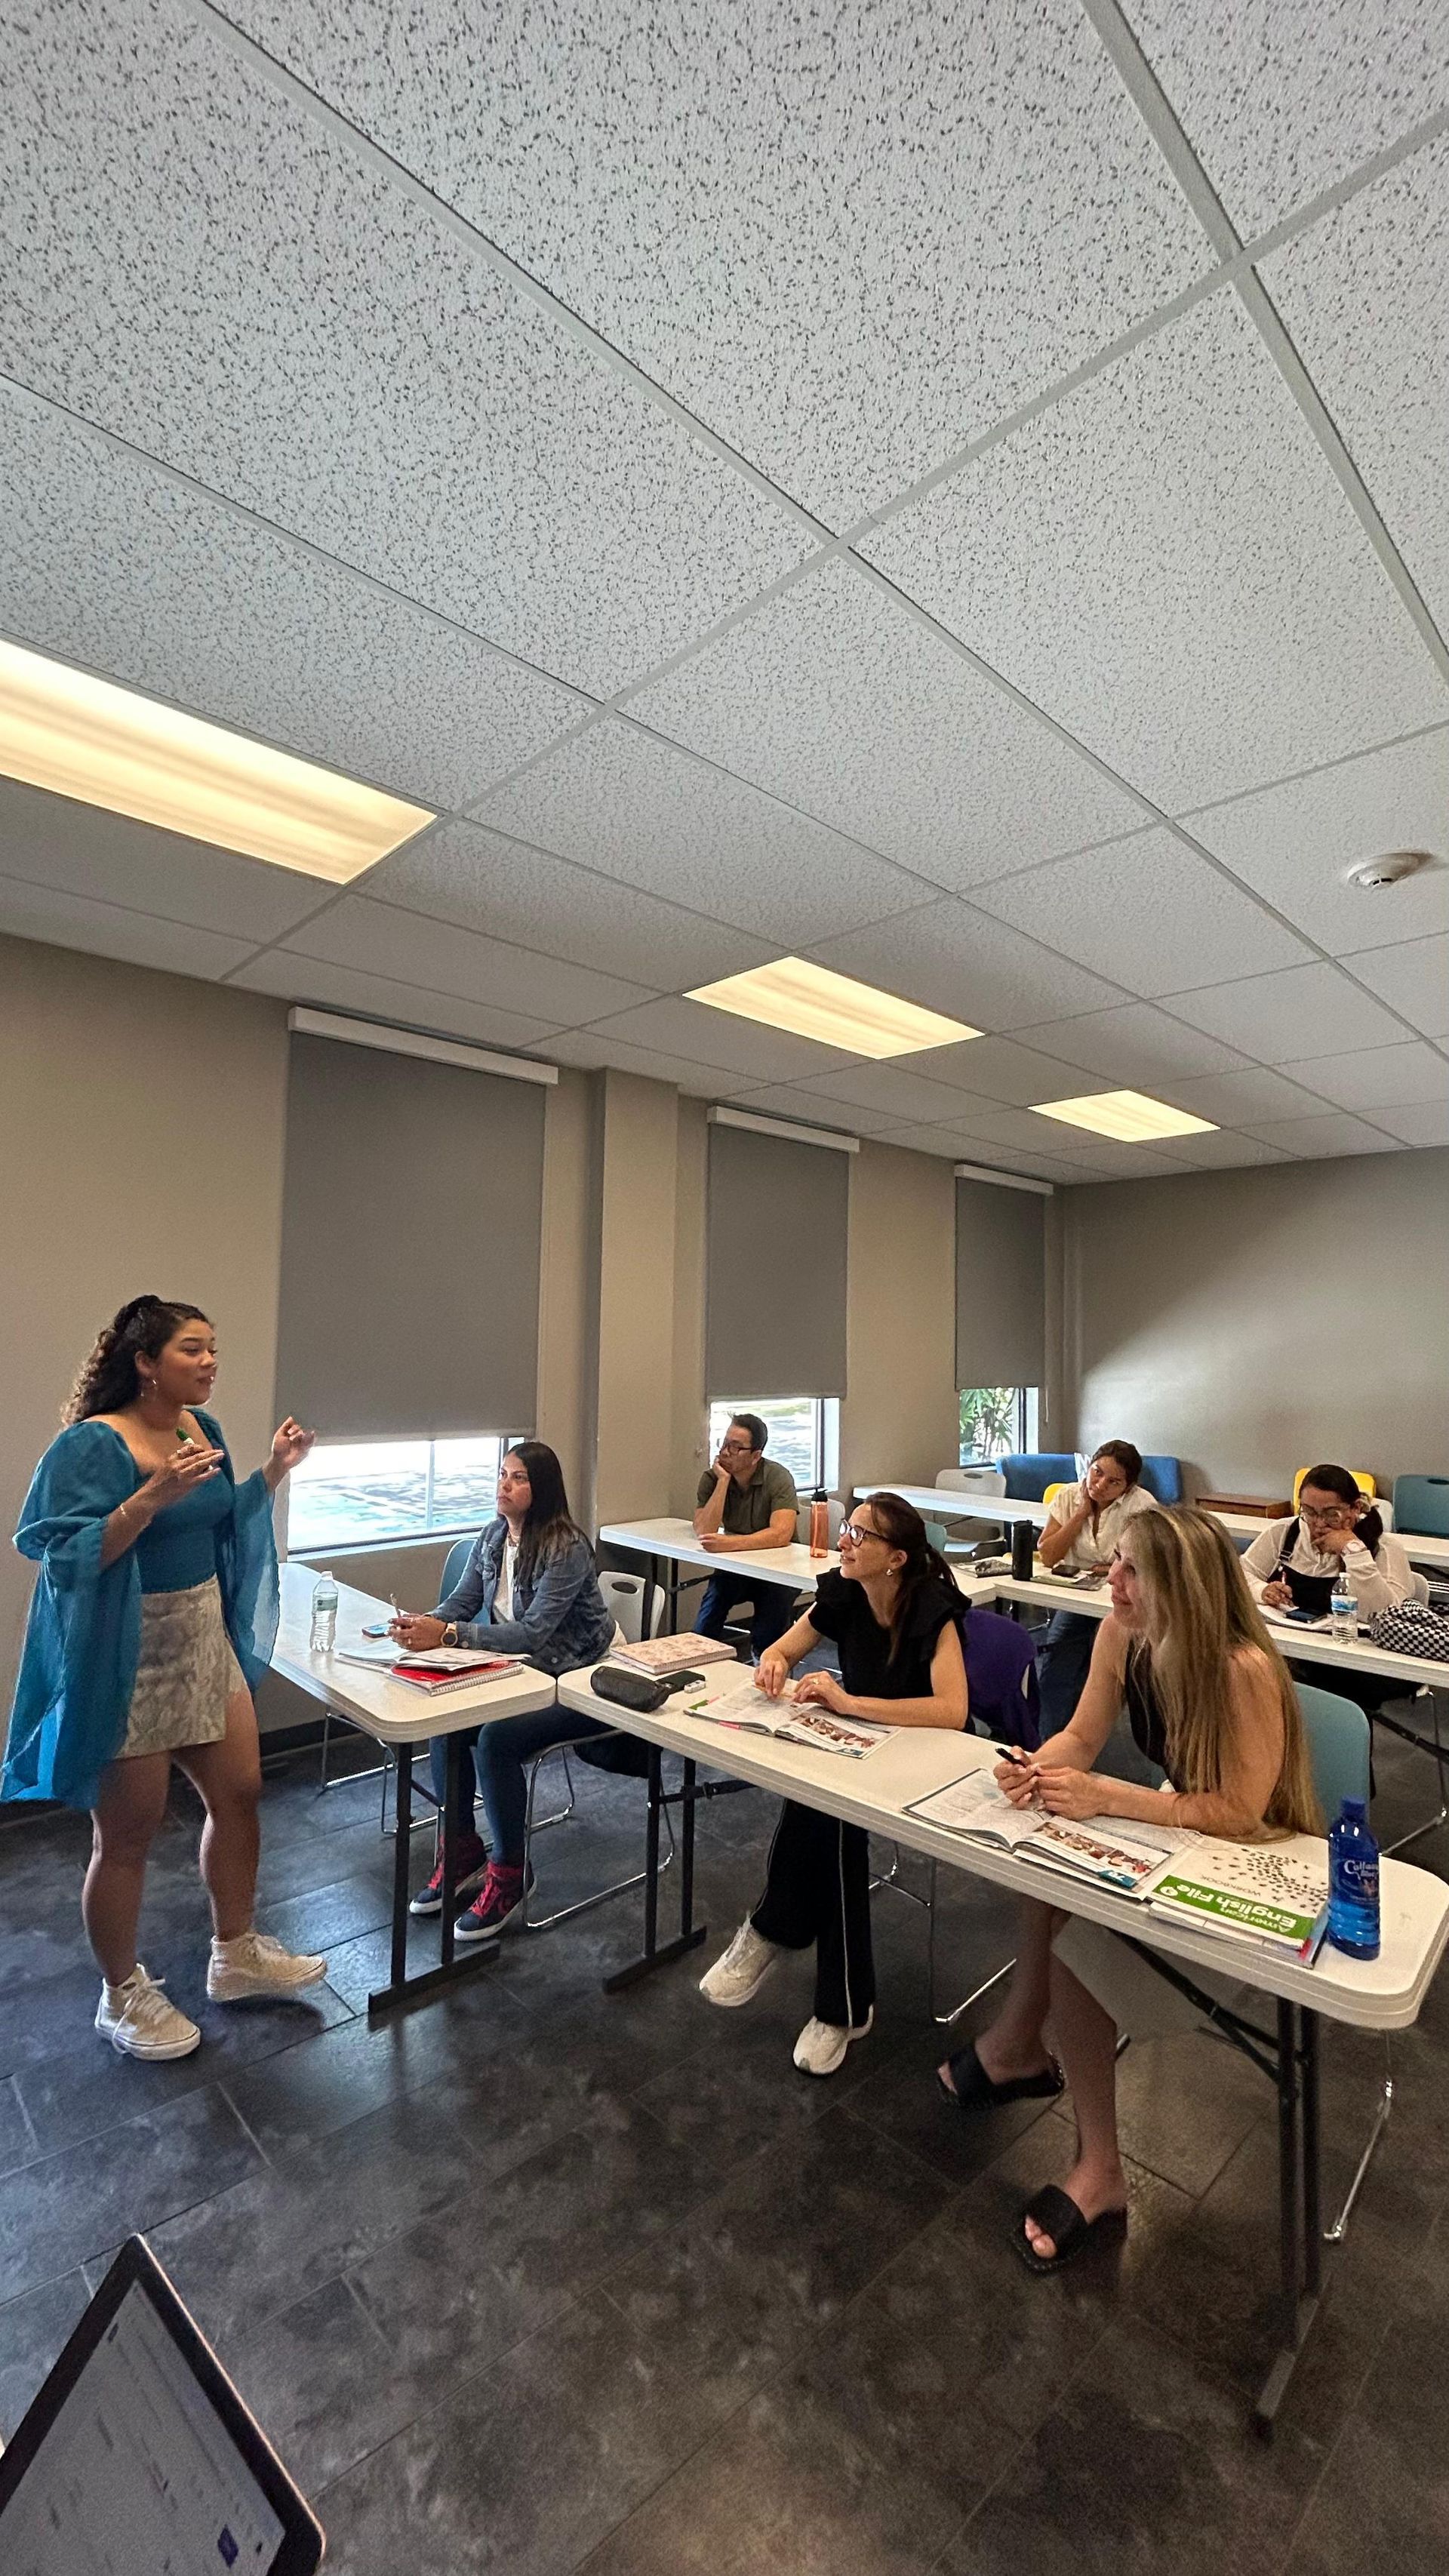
(1235, 1912)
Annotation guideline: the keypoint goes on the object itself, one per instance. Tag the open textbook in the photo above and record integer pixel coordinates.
(1125, 1855)
(794, 1721)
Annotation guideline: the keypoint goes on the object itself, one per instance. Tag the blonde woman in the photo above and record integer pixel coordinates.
(1211, 1703)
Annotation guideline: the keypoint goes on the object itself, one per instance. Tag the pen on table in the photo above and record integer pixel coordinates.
(1309, 1949)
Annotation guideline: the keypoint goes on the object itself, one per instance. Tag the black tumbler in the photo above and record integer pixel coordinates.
(1023, 1549)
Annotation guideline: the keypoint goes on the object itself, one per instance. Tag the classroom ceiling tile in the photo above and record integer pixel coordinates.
(202, 606)
(1134, 1045)
(380, 940)
(1231, 1099)
(1148, 912)
(1223, 1149)
(813, 232)
(835, 697)
(993, 1069)
(1413, 979)
(925, 1140)
(215, 248)
(893, 1087)
(1293, 843)
(385, 997)
(1365, 295)
(1390, 1077)
(787, 1100)
(623, 802)
(1335, 1134)
(1283, 98)
(1417, 1122)
(592, 1051)
(955, 959)
(1280, 1018)
(1110, 1161)
(109, 930)
(699, 1035)
(84, 850)
(1163, 561)
(460, 872)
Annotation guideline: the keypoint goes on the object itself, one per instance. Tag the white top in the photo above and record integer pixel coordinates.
(1095, 1547)
(503, 1596)
(1377, 1583)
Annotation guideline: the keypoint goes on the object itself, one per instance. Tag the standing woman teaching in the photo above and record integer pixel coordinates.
(151, 1622)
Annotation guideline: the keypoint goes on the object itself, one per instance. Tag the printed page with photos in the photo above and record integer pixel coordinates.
(793, 1720)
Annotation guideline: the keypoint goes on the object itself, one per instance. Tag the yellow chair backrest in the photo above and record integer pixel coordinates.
(1051, 1490)
(1361, 1478)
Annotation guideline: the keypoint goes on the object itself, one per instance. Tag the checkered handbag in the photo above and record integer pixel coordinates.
(1412, 1629)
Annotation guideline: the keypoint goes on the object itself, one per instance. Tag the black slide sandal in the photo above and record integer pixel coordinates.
(1070, 2232)
(971, 2088)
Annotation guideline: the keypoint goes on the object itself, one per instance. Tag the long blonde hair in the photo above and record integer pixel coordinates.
(1199, 1616)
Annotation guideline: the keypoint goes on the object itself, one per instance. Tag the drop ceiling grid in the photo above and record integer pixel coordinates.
(1396, 972)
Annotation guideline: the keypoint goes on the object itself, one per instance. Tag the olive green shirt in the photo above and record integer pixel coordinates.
(748, 1508)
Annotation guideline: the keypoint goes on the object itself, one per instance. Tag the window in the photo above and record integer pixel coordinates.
(803, 1434)
(350, 1493)
(995, 1419)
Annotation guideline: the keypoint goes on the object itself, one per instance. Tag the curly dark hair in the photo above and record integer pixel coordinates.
(107, 1379)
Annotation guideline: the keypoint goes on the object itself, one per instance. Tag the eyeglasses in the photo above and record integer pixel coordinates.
(858, 1536)
(1332, 1516)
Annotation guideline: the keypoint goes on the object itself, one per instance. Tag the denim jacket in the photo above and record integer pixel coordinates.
(559, 1615)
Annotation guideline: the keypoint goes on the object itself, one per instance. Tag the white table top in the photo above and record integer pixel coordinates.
(793, 1565)
(948, 1503)
(386, 1709)
(1377, 1994)
(1304, 1645)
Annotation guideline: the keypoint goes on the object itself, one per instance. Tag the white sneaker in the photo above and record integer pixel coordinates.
(740, 1971)
(821, 2046)
(255, 1964)
(138, 2021)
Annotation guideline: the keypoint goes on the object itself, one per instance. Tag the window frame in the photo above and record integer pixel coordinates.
(1026, 1413)
(411, 1535)
(825, 1434)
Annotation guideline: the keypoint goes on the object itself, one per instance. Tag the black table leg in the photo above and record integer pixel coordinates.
(1300, 2233)
(401, 1858)
(401, 1988)
(657, 1953)
(452, 1800)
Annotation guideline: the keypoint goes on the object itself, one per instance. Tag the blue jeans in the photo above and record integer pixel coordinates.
(774, 1608)
(500, 1752)
(1061, 1662)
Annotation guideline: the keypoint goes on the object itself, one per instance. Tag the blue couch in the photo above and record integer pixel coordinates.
(1028, 1473)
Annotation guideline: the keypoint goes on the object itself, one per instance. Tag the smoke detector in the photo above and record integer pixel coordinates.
(1389, 868)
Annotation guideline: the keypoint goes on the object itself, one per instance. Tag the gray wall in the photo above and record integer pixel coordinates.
(1251, 1322)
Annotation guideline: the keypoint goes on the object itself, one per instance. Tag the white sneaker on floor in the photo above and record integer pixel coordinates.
(821, 2046)
(255, 1964)
(138, 2020)
(740, 1971)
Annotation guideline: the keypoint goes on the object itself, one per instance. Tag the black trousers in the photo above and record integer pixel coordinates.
(774, 1608)
(817, 1888)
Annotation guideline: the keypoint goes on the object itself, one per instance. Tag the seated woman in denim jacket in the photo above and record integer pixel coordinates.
(529, 1588)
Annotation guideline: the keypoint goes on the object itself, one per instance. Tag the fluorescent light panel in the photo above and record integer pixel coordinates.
(83, 737)
(814, 1002)
(1130, 1116)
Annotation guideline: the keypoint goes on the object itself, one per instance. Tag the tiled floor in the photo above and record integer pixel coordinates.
(534, 2279)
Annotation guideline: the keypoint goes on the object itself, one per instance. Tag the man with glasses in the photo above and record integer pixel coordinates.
(745, 1502)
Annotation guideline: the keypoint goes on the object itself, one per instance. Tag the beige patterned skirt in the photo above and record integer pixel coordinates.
(186, 1672)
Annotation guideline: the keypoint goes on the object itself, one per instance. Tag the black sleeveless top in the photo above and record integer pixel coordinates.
(1144, 1716)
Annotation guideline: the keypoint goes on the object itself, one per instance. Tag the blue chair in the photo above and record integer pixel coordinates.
(1028, 1472)
(1162, 1478)
(1421, 1505)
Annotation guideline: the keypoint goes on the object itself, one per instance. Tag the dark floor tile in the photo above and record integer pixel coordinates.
(316, 1859)
(321, 1917)
(901, 2097)
(445, 2308)
(18, 2142)
(911, 2401)
(83, 2089)
(1185, 2105)
(1144, 2463)
(305, 2091)
(990, 2210)
(966, 2301)
(1234, 2329)
(584, 2202)
(1380, 2504)
(522, 2471)
(323, 2384)
(739, 2091)
(251, 2251)
(33, 2329)
(787, 2484)
(64, 2207)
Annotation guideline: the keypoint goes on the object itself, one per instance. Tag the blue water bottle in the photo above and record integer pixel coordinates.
(1353, 1884)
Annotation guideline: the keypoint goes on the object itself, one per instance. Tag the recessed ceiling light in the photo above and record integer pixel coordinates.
(814, 1002)
(1130, 1116)
(83, 737)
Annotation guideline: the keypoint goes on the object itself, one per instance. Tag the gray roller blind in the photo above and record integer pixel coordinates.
(779, 1224)
(1000, 1286)
(410, 1246)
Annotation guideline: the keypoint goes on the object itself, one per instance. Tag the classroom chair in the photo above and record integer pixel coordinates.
(1162, 1478)
(1052, 1492)
(971, 1480)
(1421, 1505)
(1028, 1472)
(1360, 1475)
(1338, 1750)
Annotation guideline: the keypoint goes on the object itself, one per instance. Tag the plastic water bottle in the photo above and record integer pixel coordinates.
(1353, 1884)
(324, 1615)
(1343, 1612)
(819, 1523)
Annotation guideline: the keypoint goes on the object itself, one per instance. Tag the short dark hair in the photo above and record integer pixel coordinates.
(759, 1431)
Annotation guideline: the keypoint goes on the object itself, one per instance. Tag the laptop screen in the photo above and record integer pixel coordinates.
(138, 2475)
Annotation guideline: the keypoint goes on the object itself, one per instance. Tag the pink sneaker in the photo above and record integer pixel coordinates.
(472, 1862)
(497, 1902)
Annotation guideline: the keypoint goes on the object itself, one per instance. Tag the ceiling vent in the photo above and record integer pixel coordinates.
(1389, 868)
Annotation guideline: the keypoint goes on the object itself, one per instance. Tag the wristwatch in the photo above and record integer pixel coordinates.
(450, 1633)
